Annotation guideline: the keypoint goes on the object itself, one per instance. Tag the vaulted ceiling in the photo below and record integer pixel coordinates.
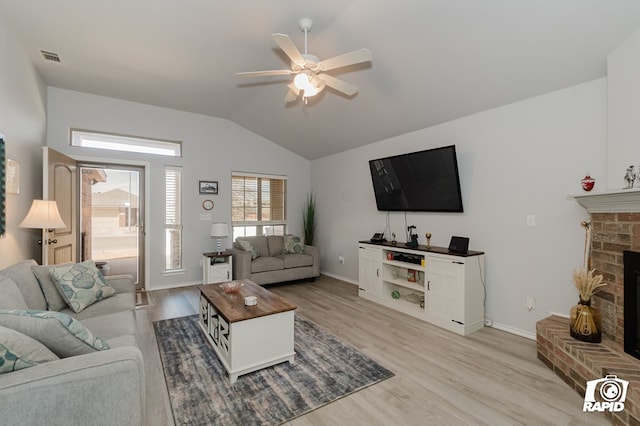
(433, 60)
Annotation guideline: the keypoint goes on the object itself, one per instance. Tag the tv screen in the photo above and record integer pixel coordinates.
(424, 181)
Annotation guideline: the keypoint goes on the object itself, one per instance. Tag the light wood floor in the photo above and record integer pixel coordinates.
(490, 377)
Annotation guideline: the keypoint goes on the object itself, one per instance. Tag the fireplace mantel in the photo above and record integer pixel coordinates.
(613, 201)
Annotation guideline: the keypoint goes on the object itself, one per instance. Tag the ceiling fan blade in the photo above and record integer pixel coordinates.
(339, 85)
(289, 48)
(263, 73)
(292, 94)
(351, 58)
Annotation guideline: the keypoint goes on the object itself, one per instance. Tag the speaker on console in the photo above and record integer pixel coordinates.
(459, 245)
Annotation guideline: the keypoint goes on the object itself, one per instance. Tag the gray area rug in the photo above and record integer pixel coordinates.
(325, 370)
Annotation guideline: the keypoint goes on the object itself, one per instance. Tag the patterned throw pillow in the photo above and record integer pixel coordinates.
(292, 245)
(248, 247)
(80, 284)
(62, 334)
(18, 351)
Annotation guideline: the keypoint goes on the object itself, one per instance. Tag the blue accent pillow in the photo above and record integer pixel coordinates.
(18, 351)
(248, 247)
(62, 334)
(292, 245)
(80, 284)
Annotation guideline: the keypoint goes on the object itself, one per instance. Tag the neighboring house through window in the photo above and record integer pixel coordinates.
(258, 204)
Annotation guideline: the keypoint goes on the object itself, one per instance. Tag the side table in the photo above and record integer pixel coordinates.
(217, 267)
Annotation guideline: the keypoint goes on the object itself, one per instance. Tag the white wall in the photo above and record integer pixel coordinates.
(22, 122)
(623, 78)
(212, 149)
(520, 159)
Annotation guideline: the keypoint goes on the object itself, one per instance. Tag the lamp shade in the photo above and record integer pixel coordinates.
(219, 229)
(43, 214)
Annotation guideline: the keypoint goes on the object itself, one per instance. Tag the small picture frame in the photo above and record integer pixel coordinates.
(13, 177)
(208, 187)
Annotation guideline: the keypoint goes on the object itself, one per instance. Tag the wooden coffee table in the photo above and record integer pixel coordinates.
(247, 338)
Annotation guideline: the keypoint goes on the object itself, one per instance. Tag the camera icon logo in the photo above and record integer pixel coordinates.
(606, 394)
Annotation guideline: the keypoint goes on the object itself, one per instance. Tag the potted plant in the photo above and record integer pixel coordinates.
(308, 218)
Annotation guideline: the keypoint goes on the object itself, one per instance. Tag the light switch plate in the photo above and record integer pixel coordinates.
(206, 217)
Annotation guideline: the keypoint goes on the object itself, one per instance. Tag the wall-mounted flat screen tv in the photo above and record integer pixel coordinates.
(425, 181)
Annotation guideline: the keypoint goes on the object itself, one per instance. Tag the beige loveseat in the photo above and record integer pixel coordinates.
(272, 265)
(96, 387)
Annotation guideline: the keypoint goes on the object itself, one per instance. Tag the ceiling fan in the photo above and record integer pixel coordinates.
(310, 72)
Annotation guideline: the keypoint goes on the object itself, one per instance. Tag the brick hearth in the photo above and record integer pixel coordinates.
(577, 362)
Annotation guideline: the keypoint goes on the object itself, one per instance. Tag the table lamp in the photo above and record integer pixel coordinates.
(43, 214)
(219, 230)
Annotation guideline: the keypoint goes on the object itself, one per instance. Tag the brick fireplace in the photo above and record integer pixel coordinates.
(615, 228)
(611, 235)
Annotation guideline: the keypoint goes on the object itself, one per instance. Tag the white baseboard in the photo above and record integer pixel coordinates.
(513, 330)
(173, 285)
(340, 277)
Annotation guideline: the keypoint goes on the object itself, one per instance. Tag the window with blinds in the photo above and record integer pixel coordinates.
(258, 204)
(173, 218)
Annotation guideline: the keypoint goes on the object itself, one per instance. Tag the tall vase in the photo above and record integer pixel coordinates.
(585, 322)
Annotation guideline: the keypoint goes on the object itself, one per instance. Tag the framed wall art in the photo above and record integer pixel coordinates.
(12, 176)
(208, 187)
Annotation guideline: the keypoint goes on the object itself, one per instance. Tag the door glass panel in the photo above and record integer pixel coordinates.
(110, 219)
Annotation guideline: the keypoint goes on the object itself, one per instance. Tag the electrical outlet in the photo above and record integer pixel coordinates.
(531, 303)
(531, 220)
(340, 259)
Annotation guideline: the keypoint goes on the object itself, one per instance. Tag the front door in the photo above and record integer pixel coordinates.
(111, 218)
(59, 184)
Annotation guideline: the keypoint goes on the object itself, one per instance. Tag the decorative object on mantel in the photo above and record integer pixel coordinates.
(393, 241)
(630, 177)
(428, 237)
(585, 322)
(588, 183)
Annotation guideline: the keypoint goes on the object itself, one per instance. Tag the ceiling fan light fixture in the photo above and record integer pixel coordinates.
(308, 83)
(301, 81)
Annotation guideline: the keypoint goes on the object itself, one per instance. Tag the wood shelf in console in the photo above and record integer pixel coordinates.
(430, 249)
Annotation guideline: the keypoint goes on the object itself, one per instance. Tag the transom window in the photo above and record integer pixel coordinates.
(123, 143)
(258, 204)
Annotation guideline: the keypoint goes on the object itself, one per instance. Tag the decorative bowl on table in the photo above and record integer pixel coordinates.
(231, 286)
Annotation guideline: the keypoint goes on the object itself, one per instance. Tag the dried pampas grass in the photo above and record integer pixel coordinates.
(587, 283)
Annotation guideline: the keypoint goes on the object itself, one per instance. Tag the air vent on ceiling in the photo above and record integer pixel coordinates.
(50, 56)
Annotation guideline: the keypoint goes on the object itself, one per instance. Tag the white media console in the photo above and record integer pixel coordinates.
(430, 283)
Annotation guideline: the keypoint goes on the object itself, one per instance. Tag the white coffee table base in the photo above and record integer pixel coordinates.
(249, 345)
